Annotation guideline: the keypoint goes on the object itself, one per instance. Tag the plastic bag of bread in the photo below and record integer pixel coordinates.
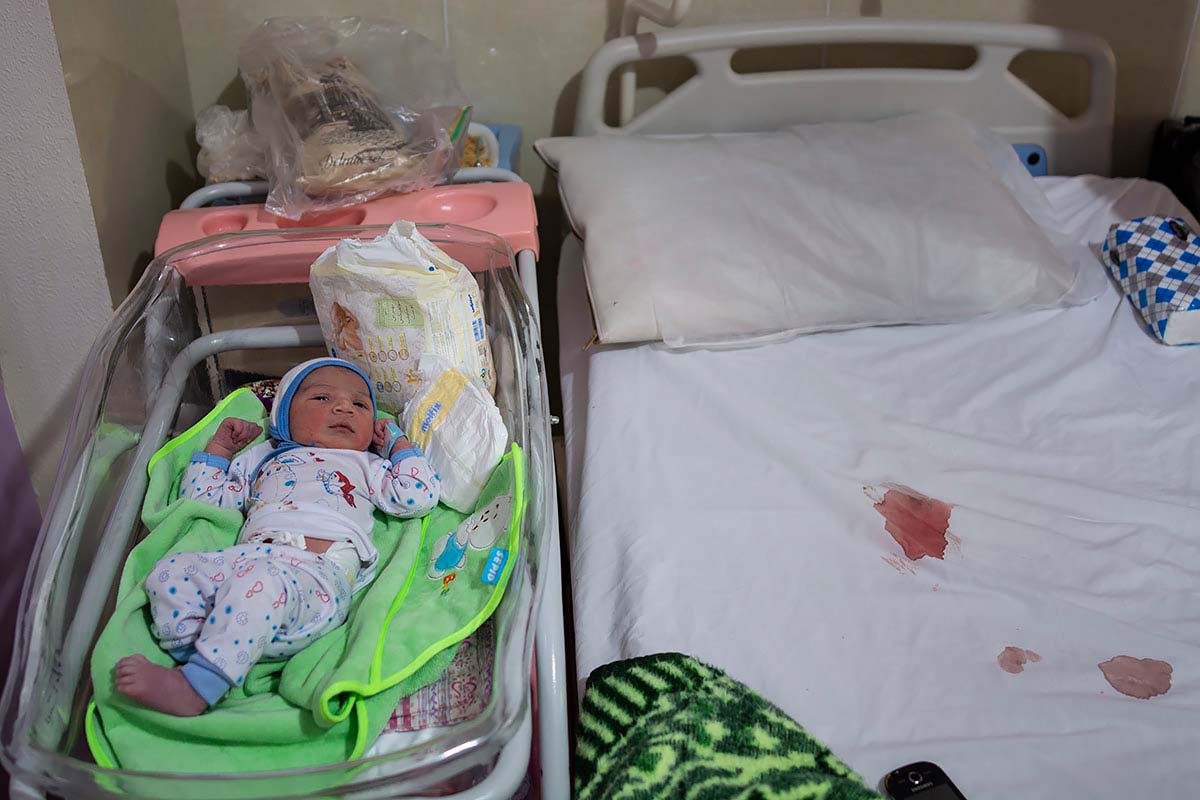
(350, 109)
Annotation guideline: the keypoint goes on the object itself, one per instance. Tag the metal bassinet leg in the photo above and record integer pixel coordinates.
(554, 754)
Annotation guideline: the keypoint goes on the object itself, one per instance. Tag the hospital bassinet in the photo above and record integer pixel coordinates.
(148, 377)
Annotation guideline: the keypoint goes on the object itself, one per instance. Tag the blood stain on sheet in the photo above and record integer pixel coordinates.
(903, 566)
(1142, 678)
(919, 524)
(1014, 659)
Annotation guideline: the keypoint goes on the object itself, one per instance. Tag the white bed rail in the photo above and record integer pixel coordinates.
(669, 16)
(719, 100)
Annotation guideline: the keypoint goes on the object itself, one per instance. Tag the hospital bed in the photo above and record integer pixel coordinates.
(153, 373)
(715, 499)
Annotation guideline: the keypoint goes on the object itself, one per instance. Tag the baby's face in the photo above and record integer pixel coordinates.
(332, 408)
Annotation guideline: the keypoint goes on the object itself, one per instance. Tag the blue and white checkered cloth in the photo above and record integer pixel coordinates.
(1157, 261)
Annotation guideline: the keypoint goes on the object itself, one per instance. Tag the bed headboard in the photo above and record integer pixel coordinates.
(719, 100)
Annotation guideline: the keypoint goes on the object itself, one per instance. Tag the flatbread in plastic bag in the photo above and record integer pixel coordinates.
(386, 302)
(349, 109)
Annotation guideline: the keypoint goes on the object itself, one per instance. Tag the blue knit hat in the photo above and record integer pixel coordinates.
(290, 382)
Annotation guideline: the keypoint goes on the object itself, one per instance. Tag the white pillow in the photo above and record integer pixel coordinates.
(706, 240)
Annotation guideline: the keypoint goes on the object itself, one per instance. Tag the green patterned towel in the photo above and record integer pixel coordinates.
(667, 727)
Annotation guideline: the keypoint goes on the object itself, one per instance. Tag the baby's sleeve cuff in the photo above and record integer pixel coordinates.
(410, 452)
(395, 432)
(204, 677)
(208, 459)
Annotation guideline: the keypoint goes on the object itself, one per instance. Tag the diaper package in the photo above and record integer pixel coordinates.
(1157, 262)
(459, 427)
(387, 302)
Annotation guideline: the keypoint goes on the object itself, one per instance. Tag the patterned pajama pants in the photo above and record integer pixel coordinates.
(241, 604)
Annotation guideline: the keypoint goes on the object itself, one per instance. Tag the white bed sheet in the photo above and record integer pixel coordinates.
(716, 508)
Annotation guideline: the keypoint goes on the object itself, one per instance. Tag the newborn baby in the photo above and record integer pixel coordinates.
(308, 494)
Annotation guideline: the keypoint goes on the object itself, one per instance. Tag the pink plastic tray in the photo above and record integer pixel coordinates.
(503, 209)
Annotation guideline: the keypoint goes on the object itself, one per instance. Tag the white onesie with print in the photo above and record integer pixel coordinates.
(223, 611)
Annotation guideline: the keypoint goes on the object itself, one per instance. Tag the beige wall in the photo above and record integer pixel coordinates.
(123, 61)
(1188, 99)
(519, 59)
(55, 297)
(1149, 39)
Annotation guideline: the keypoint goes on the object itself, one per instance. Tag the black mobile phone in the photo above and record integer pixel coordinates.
(923, 780)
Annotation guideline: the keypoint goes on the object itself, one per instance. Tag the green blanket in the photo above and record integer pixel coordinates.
(667, 727)
(330, 701)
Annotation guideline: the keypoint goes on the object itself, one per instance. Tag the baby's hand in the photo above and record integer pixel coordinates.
(380, 439)
(383, 435)
(232, 436)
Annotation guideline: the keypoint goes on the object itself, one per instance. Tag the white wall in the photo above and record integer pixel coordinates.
(54, 298)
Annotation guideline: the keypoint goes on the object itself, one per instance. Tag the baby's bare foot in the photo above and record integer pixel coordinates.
(160, 688)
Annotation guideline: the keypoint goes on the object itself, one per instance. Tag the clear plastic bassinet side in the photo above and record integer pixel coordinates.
(147, 379)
